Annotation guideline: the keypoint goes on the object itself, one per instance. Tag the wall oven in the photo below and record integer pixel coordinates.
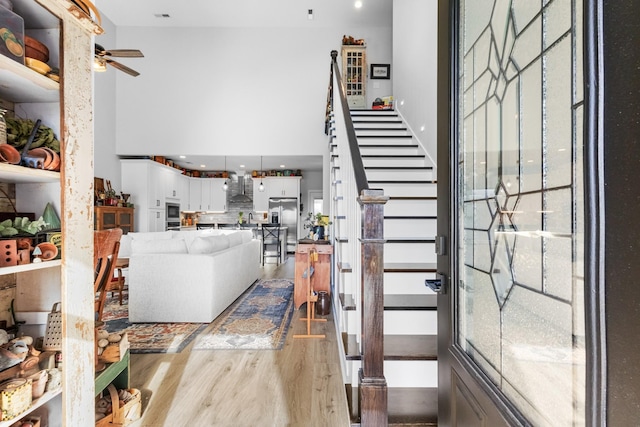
(172, 220)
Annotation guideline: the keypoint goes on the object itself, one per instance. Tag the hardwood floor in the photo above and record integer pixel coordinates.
(300, 385)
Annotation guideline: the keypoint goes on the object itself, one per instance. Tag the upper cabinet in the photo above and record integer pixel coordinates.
(274, 187)
(68, 109)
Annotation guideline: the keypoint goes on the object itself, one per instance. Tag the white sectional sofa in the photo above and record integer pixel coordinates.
(188, 276)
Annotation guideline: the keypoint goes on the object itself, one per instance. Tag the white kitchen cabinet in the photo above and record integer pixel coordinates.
(183, 185)
(205, 198)
(171, 183)
(283, 186)
(218, 195)
(145, 180)
(195, 194)
(155, 220)
(260, 198)
(69, 112)
(274, 186)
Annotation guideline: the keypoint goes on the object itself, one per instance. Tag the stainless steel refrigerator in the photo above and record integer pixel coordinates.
(285, 211)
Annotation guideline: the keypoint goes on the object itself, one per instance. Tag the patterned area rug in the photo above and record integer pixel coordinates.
(148, 337)
(258, 320)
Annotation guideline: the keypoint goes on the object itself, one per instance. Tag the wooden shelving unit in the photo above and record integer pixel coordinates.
(68, 109)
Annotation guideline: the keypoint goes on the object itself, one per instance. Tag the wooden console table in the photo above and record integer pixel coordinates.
(321, 277)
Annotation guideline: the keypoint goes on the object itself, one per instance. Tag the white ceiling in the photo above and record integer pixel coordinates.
(246, 13)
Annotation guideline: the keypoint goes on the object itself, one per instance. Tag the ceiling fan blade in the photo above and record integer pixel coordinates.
(122, 53)
(122, 67)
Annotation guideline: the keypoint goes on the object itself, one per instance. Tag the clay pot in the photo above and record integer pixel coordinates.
(38, 383)
(9, 154)
(49, 251)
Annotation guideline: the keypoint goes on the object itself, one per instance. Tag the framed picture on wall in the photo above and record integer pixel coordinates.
(380, 71)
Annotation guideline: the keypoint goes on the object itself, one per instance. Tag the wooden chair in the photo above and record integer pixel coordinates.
(271, 241)
(105, 254)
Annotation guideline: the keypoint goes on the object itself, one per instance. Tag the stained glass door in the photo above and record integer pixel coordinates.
(516, 348)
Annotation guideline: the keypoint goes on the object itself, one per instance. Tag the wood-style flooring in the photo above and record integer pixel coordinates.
(300, 385)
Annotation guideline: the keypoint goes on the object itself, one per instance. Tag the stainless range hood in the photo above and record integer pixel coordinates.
(240, 197)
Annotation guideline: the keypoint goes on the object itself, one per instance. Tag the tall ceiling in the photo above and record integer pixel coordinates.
(246, 13)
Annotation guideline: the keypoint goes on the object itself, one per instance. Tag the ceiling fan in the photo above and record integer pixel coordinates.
(102, 59)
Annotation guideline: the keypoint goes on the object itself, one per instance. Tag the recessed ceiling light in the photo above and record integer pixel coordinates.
(183, 157)
(203, 166)
(281, 166)
(241, 166)
(358, 4)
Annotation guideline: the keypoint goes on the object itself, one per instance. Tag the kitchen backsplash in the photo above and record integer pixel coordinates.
(233, 208)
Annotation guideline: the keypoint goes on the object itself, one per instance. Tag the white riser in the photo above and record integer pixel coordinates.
(387, 141)
(401, 207)
(408, 322)
(364, 150)
(415, 174)
(401, 189)
(410, 227)
(384, 161)
(409, 252)
(375, 118)
(381, 132)
(407, 283)
(403, 373)
(378, 124)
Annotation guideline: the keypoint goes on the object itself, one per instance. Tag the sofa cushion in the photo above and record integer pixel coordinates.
(235, 239)
(161, 246)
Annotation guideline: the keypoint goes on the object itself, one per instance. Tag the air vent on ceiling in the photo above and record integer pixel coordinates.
(162, 15)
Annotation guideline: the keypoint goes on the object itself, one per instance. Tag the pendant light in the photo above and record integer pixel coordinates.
(225, 186)
(261, 186)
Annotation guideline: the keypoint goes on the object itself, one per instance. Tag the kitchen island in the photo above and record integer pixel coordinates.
(255, 227)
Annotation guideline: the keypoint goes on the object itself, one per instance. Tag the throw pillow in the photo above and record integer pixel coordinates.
(247, 236)
(201, 245)
(218, 243)
(235, 239)
(168, 246)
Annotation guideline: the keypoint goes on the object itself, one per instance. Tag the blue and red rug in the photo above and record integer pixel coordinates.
(258, 320)
(148, 337)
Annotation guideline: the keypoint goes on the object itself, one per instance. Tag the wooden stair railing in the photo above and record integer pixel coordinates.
(368, 215)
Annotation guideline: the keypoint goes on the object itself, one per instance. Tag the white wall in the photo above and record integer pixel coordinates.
(230, 91)
(415, 27)
(106, 162)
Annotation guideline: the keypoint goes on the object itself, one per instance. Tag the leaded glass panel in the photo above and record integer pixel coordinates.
(520, 298)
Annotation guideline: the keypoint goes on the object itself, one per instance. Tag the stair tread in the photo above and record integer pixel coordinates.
(411, 217)
(398, 167)
(413, 146)
(403, 129)
(403, 181)
(393, 156)
(415, 406)
(413, 198)
(377, 121)
(344, 267)
(395, 302)
(386, 136)
(398, 347)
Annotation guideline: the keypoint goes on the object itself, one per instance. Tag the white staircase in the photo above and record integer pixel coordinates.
(396, 163)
